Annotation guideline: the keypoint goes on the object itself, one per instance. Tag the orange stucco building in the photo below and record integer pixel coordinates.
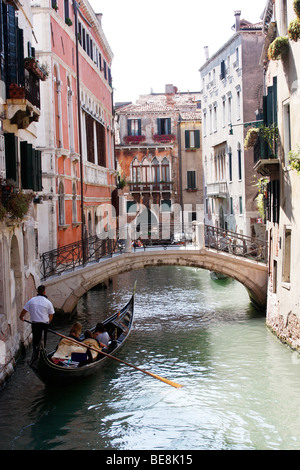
(76, 131)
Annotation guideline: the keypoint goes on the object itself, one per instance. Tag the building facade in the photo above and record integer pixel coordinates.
(76, 133)
(159, 160)
(280, 168)
(232, 83)
(20, 175)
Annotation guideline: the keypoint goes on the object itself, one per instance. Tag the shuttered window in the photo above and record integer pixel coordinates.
(192, 139)
(31, 167)
(11, 156)
(164, 126)
(191, 180)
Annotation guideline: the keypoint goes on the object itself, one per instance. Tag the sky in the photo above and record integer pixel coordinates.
(161, 42)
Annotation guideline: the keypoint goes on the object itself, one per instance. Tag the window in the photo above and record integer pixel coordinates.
(131, 207)
(74, 203)
(155, 170)
(239, 153)
(31, 169)
(61, 204)
(223, 112)
(241, 205)
(230, 164)
(165, 205)
(101, 144)
(286, 132)
(89, 121)
(286, 274)
(223, 70)
(191, 179)
(192, 139)
(238, 104)
(229, 108)
(134, 127)
(67, 10)
(231, 206)
(215, 117)
(165, 169)
(136, 171)
(164, 126)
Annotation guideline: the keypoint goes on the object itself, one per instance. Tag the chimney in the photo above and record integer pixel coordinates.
(206, 51)
(237, 15)
(99, 17)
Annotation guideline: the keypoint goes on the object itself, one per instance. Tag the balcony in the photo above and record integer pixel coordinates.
(145, 187)
(217, 190)
(265, 162)
(23, 102)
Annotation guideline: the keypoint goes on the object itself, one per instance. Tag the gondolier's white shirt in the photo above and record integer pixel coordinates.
(39, 308)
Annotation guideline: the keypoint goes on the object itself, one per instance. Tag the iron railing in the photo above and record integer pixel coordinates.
(236, 243)
(144, 236)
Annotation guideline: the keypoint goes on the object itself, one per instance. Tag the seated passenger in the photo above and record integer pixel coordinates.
(75, 331)
(101, 335)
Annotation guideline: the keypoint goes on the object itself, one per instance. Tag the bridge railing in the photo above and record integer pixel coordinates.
(235, 243)
(144, 236)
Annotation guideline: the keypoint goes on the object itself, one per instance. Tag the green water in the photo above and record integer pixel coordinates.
(240, 384)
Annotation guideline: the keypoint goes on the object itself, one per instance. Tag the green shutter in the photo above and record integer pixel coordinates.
(197, 139)
(11, 156)
(187, 139)
(169, 126)
(158, 126)
(139, 127)
(38, 176)
(27, 166)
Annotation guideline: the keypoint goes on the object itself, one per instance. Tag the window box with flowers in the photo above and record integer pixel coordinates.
(68, 21)
(164, 138)
(134, 139)
(40, 70)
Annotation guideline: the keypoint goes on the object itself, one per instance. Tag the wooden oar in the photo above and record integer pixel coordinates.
(158, 377)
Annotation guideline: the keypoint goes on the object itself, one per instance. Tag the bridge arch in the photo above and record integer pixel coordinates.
(66, 290)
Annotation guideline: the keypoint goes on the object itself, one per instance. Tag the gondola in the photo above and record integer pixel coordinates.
(64, 372)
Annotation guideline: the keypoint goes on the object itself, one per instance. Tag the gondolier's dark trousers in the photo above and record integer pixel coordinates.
(37, 333)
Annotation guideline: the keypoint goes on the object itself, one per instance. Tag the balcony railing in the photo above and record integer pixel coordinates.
(152, 186)
(218, 189)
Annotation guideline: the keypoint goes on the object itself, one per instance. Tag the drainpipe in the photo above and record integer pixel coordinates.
(180, 169)
(75, 6)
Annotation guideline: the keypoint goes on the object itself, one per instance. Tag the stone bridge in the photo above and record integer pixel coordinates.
(66, 289)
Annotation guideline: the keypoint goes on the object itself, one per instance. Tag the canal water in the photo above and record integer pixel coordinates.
(240, 384)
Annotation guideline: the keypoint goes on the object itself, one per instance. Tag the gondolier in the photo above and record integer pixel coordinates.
(41, 313)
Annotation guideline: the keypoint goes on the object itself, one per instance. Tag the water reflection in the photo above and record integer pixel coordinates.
(200, 333)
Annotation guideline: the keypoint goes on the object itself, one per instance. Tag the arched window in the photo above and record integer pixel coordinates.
(165, 170)
(57, 105)
(145, 167)
(155, 170)
(74, 203)
(61, 204)
(239, 155)
(135, 171)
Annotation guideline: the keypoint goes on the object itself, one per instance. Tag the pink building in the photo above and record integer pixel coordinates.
(76, 129)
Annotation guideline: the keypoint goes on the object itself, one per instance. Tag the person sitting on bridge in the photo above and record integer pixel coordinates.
(101, 335)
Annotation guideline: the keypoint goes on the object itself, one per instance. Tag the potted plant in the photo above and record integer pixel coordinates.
(251, 138)
(55, 6)
(296, 6)
(18, 204)
(68, 21)
(294, 30)
(279, 48)
(294, 159)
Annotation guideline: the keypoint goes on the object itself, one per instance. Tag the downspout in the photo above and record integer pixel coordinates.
(180, 170)
(75, 6)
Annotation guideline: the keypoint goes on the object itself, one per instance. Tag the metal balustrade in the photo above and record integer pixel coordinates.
(144, 236)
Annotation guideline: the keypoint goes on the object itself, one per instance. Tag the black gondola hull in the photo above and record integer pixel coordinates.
(53, 374)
